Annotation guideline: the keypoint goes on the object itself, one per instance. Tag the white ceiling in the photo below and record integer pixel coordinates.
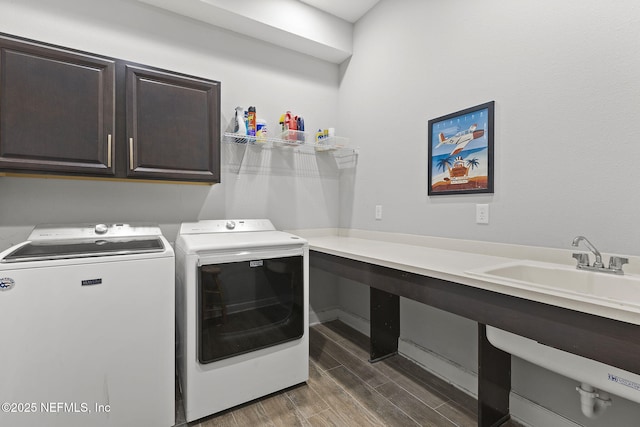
(320, 28)
(349, 10)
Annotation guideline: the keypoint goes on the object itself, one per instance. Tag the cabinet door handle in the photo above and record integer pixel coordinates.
(131, 153)
(109, 151)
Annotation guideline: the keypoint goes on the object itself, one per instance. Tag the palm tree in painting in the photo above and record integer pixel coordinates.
(444, 164)
(473, 163)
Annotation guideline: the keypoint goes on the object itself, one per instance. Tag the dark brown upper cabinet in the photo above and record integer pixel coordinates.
(57, 110)
(67, 112)
(173, 126)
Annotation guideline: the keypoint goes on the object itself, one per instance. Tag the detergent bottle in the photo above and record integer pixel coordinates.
(289, 127)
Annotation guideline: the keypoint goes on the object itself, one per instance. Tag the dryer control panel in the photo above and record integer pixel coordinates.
(226, 226)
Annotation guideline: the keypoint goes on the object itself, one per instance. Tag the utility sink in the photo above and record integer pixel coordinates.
(565, 279)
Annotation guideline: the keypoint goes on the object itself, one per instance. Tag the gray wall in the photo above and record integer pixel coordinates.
(564, 76)
(293, 190)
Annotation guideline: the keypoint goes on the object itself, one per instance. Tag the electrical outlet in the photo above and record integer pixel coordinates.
(482, 214)
(378, 212)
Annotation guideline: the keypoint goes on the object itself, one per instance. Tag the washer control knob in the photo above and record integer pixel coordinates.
(231, 225)
(101, 229)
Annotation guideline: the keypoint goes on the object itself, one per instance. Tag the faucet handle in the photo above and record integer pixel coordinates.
(616, 263)
(583, 259)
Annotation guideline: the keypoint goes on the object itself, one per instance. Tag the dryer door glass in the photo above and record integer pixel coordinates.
(247, 306)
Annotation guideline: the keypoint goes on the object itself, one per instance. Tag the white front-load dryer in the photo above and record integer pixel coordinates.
(242, 293)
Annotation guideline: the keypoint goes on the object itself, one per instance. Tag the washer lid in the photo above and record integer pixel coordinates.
(54, 242)
(80, 248)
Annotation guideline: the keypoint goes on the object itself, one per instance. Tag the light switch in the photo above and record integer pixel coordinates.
(378, 212)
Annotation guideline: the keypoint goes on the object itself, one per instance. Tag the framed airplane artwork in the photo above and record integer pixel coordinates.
(461, 152)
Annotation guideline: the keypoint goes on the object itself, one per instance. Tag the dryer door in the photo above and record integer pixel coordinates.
(248, 305)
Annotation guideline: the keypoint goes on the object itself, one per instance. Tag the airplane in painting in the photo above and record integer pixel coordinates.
(461, 139)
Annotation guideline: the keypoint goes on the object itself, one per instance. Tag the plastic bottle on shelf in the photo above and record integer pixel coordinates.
(261, 130)
(251, 121)
(300, 127)
(288, 126)
(282, 123)
(240, 126)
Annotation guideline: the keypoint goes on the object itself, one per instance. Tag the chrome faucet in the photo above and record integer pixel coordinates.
(598, 262)
(615, 262)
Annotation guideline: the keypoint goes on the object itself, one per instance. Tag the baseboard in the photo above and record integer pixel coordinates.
(334, 313)
(524, 411)
(445, 369)
(358, 323)
(322, 316)
(531, 414)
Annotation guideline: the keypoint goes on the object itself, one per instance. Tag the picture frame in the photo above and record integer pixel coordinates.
(460, 154)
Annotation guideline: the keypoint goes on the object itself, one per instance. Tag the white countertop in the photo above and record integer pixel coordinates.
(450, 259)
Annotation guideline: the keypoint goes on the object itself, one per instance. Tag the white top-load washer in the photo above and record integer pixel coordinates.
(242, 295)
(88, 335)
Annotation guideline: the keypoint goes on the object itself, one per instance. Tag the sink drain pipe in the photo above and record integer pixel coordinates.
(593, 402)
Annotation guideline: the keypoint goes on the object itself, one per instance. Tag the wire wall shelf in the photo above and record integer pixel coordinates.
(246, 149)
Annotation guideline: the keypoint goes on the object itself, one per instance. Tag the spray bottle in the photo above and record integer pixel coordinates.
(240, 127)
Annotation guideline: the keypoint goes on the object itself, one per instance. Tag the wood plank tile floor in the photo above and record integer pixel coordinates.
(344, 389)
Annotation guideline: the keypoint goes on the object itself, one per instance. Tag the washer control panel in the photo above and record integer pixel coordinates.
(88, 231)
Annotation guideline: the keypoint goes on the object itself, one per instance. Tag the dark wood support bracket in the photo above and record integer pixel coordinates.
(494, 382)
(384, 310)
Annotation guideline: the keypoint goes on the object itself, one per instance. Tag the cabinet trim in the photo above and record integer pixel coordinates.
(99, 178)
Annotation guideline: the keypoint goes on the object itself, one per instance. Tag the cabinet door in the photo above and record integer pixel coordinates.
(173, 126)
(57, 110)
